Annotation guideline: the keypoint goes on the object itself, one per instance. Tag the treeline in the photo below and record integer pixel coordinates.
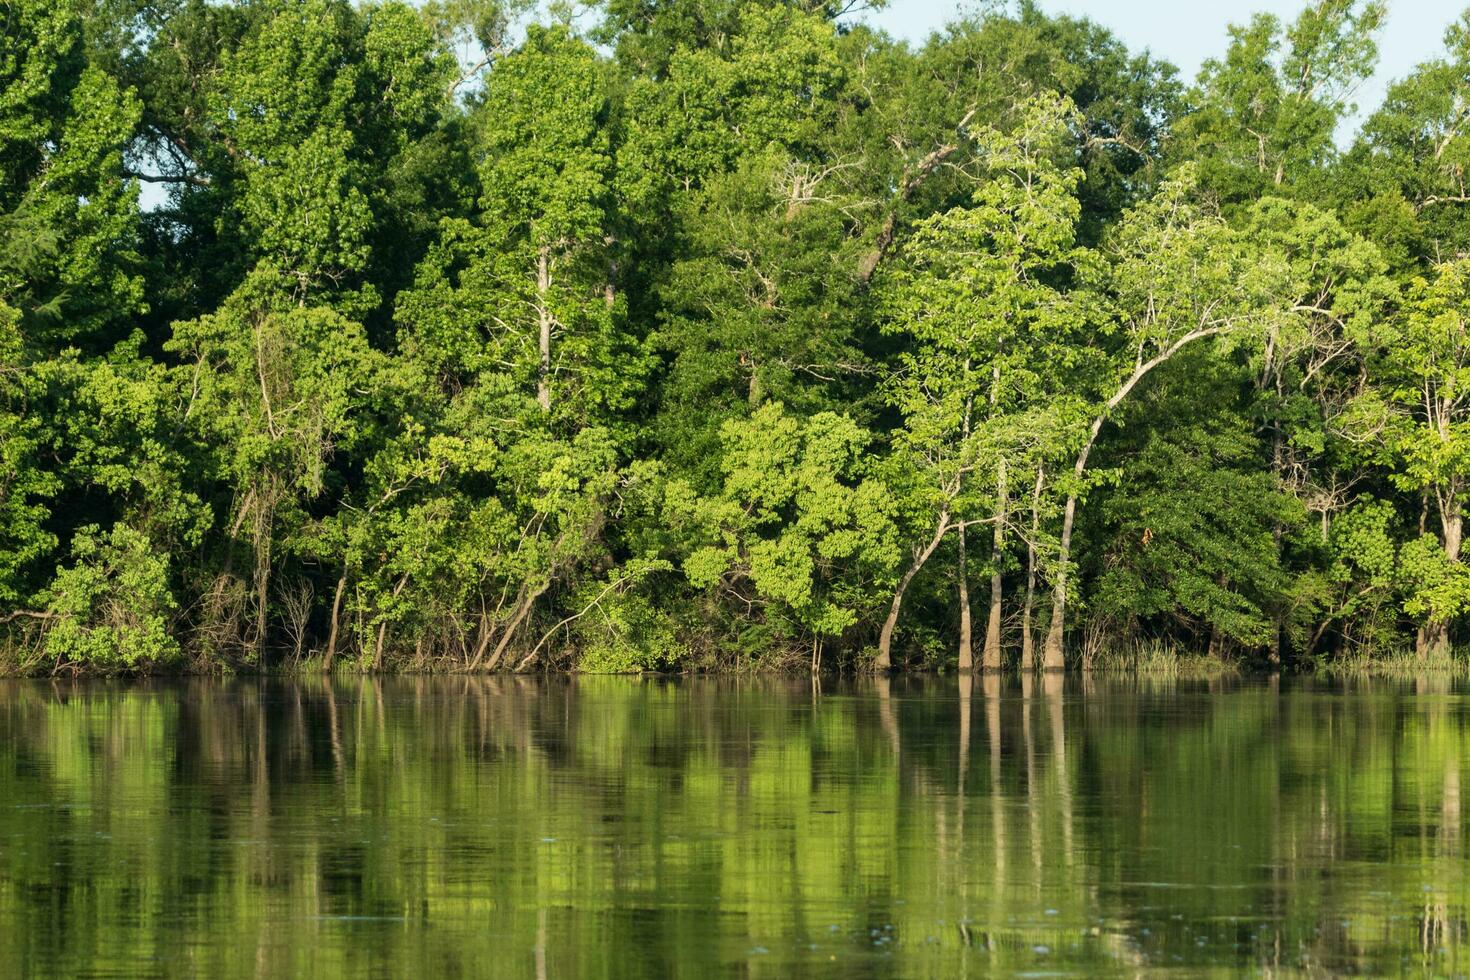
(711, 334)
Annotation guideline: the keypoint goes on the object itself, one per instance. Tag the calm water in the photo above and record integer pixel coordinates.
(623, 827)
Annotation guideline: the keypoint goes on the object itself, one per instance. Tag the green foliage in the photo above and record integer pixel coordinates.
(112, 607)
(708, 333)
(1437, 587)
(799, 521)
(1193, 535)
(1267, 112)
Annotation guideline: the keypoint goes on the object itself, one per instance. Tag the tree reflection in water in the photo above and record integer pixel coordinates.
(614, 826)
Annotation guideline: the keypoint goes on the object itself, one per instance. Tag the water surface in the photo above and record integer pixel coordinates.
(608, 827)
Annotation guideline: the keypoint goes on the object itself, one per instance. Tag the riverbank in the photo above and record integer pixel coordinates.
(1139, 663)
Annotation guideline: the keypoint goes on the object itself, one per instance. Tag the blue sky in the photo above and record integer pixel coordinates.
(1186, 32)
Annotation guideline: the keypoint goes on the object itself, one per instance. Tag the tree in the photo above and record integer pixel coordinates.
(1266, 114)
(979, 301)
(1175, 275)
(276, 388)
(545, 193)
(1404, 181)
(1425, 356)
(801, 531)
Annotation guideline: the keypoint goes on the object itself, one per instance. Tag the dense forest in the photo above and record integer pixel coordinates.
(722, 334)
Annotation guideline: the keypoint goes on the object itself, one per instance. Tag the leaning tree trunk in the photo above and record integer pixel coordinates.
(885, 638)
(1051, 657)
(336, 612)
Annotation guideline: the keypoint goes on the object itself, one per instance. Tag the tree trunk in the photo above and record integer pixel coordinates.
(967, 655)
(1433, 641)
(967, 650)
(336, 611)
(522, 610)
(383, 626)
(991, 660)
(543, 286)
(1028, 651)
(885, 638)
(1052, 652)
(1453, 531)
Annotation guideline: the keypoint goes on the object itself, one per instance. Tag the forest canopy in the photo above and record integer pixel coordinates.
(722, 334)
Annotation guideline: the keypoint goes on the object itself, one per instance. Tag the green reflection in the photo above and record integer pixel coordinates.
(570, 827)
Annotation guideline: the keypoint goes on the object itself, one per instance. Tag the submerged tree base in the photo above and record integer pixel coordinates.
(1154, 659)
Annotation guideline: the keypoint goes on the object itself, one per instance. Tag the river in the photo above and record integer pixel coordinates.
(609, 826)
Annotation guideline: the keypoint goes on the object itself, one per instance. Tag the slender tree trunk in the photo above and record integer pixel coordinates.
(383, 626)
(1051, 653)
(991, 659)
(1051, 657)
(1434, 638)
(885, 638)
(543, 287)
(1454, 531)
(967, 654)
(522, 611)
(967, 649)
(1278, 462)
(1028, 651)
(336, 612)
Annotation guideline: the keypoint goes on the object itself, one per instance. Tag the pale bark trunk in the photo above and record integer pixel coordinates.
(967, 650)
(383, 626)
(522, 611)
(543, 286)
(1051, 656)
(1028, 650)
(967, 654)
(885, 638)
(1051, 652)
(991, 660)
(336, 612)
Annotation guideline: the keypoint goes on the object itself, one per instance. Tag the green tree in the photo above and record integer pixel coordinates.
(1265, 115)
(801, 528)
(1174, 275)
(980, 303)
(1425, 360)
